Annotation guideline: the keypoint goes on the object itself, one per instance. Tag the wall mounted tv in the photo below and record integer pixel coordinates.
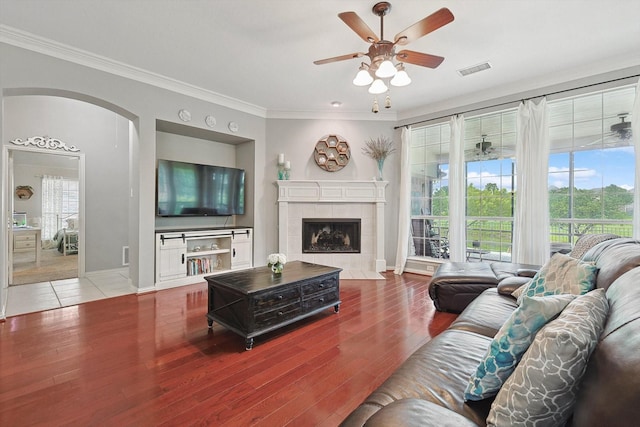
(189, 189)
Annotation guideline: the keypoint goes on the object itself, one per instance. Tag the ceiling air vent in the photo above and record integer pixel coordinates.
(474, 69)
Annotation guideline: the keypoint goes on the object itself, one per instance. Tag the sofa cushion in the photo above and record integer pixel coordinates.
(542, 389)
(503, 270)
(417, 413)
(486, 314)
(613, 258)
(510, 284)
(562, 274)
(610, 387)
(510, 343)
(437, 372)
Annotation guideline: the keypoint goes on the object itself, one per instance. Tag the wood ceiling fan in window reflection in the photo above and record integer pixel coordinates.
(485, 150)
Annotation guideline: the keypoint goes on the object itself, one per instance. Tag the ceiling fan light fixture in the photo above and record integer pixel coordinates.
(375, 108)
(401, 78)
(386, 69)
(378, 87)
(363, 78)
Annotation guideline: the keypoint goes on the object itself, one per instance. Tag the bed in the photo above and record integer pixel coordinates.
(66, 238)
(66, 241)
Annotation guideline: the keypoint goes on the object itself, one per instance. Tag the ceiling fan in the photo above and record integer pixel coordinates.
(619, 134)
(484, 150)
(622, 129)
(382, 49)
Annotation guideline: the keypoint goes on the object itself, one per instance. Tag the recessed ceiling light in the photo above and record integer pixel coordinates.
(336, 104)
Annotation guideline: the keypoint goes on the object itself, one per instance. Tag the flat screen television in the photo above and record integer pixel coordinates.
(189, 189)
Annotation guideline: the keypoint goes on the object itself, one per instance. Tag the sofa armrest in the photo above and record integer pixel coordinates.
(417, 413)
(526, 272)
(510, 284)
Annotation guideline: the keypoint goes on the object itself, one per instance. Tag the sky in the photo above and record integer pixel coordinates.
(593, 169)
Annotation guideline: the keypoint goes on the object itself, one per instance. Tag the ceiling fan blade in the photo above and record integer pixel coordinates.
(418, 58)
(339, 58)
(358, 25)
(421, 28)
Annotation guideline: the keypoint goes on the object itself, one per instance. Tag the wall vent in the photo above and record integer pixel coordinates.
(474, 69)
(125, 255)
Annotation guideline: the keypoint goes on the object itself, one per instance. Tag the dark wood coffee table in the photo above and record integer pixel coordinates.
(256, 301)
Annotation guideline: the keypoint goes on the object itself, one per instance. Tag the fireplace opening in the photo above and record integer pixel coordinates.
(328, 235)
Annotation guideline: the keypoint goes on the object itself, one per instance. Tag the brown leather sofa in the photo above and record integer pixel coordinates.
(455, 284)
(428, 388)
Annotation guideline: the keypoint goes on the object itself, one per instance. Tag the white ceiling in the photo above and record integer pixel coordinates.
(261, 52)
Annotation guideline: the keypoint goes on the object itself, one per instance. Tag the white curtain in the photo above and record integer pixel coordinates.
(457, 190)
(52, 193)
(635, 132)
(531, 230)
(404, 208)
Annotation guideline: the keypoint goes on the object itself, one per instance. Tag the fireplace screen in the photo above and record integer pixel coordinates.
(326, 235)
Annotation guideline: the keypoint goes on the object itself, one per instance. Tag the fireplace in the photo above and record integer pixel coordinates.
(331, 235)
(331, 201)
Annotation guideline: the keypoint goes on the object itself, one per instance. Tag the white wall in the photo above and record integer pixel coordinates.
(297, 140)
(102, 136)
(28, 73)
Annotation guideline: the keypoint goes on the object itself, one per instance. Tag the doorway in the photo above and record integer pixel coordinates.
(45, 240)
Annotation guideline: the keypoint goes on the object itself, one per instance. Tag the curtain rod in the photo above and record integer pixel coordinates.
(516, 100)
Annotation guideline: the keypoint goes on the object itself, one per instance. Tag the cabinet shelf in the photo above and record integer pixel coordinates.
(177, 263)
(192, 254)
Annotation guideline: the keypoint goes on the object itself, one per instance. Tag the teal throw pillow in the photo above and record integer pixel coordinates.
(542, 389)
(510, 343)
(562, 274)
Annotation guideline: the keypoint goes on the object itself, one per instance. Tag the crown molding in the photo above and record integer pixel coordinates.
(336, 114)
(32, 42)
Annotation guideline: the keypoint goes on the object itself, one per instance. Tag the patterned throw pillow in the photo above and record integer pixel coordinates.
(562, 274)
(588, 241)
(510, 343)
(542, 389)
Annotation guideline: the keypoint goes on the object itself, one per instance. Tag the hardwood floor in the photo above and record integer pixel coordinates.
(150, 360)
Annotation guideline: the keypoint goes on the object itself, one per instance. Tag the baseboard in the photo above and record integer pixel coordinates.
(124, 271)
(146, 290)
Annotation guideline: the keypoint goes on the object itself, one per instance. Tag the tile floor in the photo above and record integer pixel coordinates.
(34, 297)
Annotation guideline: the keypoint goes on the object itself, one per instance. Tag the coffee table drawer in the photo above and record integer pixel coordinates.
(320, 299)
(273, 317)
(284, 296)
(322, 285)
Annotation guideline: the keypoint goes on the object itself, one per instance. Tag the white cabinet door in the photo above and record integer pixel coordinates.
(171, 259)
(241, 250)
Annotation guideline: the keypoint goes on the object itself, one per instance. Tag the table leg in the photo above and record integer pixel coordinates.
(336, 308)
(210, 322)
(248, 343)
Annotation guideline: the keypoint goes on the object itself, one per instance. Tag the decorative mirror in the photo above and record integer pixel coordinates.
(24, 192)
(332, 153)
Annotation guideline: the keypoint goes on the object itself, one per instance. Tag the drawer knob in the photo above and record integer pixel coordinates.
(321, 300)
(322, 285)
(280, 313)
(280, 297)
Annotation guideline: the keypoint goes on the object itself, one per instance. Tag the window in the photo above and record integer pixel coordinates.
(490, 145)
(591, 176)
(430, 190)
(591, 166)
(60, 204)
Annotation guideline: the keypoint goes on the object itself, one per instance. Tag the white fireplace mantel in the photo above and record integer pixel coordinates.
(342, 193)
